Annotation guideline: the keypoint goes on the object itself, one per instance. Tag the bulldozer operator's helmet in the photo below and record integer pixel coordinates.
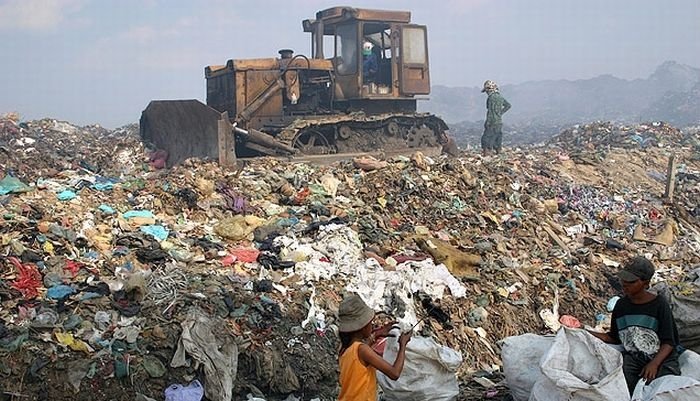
(489, 86)
(366, 48)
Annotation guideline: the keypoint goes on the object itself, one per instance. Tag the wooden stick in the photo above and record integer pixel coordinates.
(227, 155)
(13, 394)
(670, 178)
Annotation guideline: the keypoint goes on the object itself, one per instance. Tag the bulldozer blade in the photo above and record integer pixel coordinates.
(183, 128)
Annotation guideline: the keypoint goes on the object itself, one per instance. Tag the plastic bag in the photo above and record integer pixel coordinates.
(580, 367)
(192, 392)
(521, 357)
(668, 388)
(689, 362)
(217, 355)
(686, 313)
(11, 184)
(238, 227)
(428, 372)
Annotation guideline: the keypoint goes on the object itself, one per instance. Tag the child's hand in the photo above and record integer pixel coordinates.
(405, 338)
(649, 372)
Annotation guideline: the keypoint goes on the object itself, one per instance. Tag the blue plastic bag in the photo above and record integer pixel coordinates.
(177, 392)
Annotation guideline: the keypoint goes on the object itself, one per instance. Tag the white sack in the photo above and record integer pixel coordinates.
(689, 362)
(580, 367)
(668, 388)
(429, 372)
(521, 357)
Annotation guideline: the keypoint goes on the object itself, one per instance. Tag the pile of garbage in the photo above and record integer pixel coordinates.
(122, 280)
(45, 148)
(606, 135)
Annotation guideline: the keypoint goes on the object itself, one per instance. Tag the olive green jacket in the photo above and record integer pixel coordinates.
(496, 106)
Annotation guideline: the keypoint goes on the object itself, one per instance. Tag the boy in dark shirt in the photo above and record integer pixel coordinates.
(642, 322)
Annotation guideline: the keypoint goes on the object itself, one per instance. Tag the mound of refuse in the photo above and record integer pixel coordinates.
(605, 135)
(120, 280)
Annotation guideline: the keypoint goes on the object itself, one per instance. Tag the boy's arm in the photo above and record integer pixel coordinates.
(506, 106)
(612, 336)
(667, 338)
(652, 368)
(605, 337)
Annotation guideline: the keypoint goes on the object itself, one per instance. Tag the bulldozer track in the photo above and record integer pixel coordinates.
(359, 133)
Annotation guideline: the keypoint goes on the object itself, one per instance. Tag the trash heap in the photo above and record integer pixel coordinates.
(119, 280)
(605, 135)
(45, 148)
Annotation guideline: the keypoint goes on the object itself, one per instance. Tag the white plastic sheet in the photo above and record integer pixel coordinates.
(337, 251)
(380, 288)
(429, 372)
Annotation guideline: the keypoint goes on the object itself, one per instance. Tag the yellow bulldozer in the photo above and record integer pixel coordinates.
(358, 95)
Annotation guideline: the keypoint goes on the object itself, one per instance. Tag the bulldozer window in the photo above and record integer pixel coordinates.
(346, 49)
(327, 46)
(413, 45)
(380, 37)
(382, 41)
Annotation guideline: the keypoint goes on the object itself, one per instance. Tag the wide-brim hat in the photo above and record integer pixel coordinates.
(353, 314)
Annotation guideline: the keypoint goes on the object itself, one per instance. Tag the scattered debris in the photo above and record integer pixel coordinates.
(109, 262)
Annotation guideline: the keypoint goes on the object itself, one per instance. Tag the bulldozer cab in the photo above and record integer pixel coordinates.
(376, 54)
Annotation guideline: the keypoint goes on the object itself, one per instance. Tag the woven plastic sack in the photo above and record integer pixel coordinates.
(579, 367)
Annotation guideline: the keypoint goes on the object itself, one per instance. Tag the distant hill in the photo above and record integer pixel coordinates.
(681, 108)
(671, 93)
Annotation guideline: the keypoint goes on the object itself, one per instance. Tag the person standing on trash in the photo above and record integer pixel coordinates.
(643, 323)
(496, 106)
(358, 361)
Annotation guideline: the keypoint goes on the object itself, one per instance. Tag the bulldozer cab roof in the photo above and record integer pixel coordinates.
(337, 15)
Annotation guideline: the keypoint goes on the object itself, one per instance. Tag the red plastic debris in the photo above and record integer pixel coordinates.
(570, 321)
(245, 255)
(73, 267)
(228, 260)
(301, 196)
(29, 279)
(655, 214)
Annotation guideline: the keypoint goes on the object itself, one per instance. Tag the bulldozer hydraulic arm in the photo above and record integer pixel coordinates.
(276, 85)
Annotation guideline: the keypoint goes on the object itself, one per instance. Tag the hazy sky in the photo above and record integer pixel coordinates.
(101, 61)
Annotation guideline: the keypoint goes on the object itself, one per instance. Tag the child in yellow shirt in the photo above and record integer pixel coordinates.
(358, 361)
